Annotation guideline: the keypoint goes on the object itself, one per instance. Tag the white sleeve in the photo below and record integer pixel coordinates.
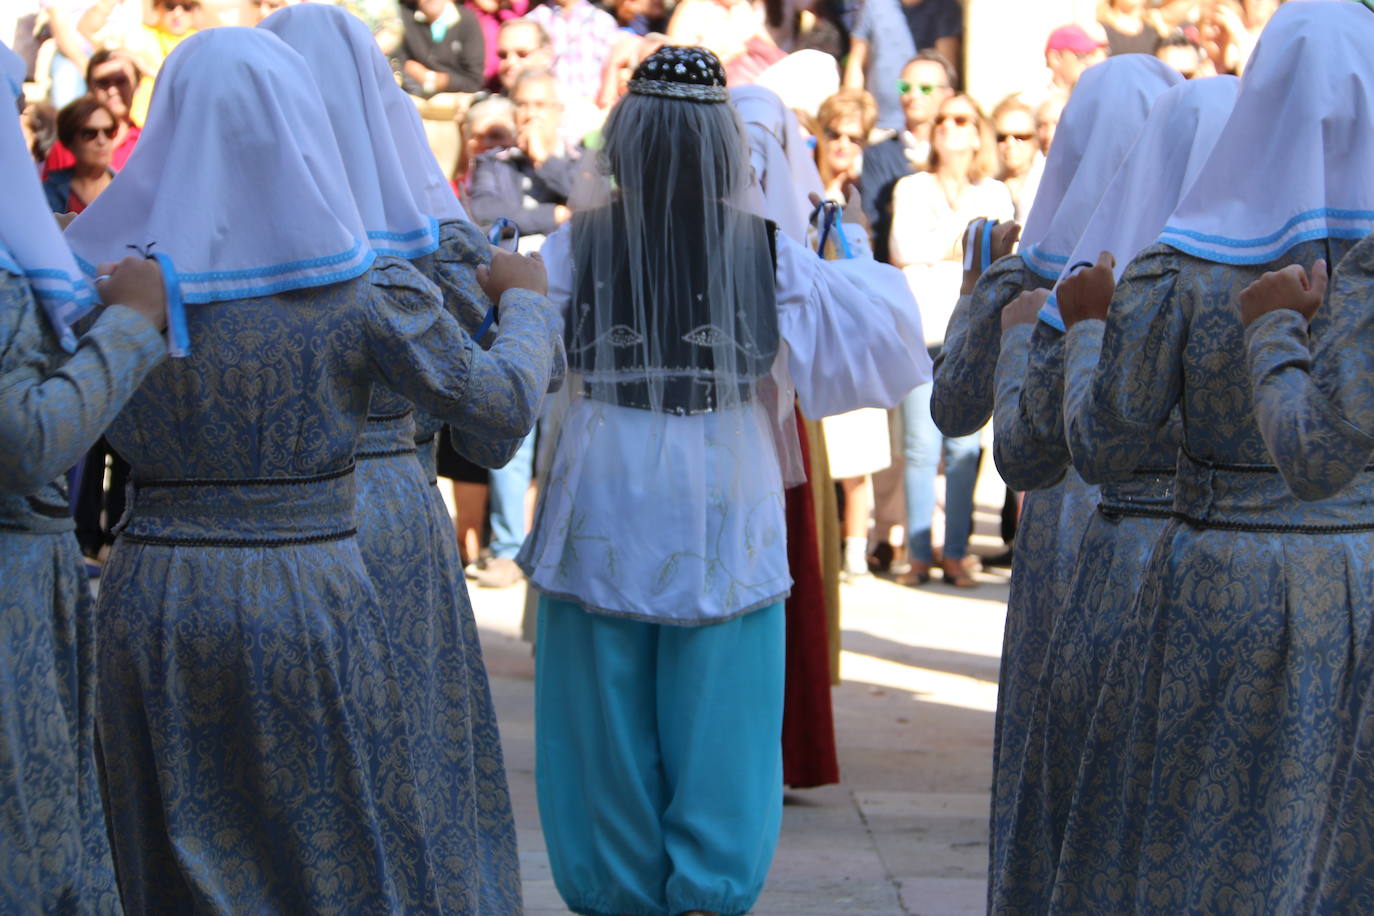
(557, 255)
(852, 329)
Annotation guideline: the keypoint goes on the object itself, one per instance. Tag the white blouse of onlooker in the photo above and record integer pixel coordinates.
(926, 239)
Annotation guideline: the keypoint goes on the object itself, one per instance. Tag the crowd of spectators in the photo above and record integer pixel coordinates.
(876, 86)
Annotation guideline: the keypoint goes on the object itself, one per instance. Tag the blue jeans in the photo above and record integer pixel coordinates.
(507, 500)
(922, 443)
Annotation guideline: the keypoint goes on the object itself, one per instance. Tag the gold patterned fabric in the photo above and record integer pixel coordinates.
(1208, 766)
(257, 753)
(54, 849)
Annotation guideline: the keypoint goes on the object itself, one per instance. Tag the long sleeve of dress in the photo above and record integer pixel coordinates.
(852, 328)
(1314, 398)
(462, 249)
(419, 350)
(961, 399)
(54, 408)
(1134, 388)
(1028, 438)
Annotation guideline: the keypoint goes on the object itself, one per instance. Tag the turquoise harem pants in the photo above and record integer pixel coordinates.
(659, 759)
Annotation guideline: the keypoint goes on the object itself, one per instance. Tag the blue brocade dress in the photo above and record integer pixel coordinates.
(962, 403)
(1110, 560)
(1208, 765)
(1315, 409)
(407, 541)
(251, 678)
(54, 849)
(1032, 455)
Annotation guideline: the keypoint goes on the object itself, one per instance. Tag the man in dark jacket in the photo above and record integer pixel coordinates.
(529, 183)
(443, 49)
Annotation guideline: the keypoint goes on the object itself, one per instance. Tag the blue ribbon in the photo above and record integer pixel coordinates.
(985, 259)
(498, 229)
(178, 338)
(826, 216)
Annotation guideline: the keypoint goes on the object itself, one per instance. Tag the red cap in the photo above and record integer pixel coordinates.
(1072, 38)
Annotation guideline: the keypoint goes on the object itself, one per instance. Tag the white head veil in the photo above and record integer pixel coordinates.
(784, 169)
(236, 180)
(1294, 161)
(378, 127)
(348, 69)
(31, 245)
(1104, 116)
(1183, 127)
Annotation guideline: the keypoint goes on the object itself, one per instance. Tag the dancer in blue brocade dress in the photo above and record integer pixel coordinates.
(1315, 411)
(659, 546)
(1183, 125)
(59, 393)
(405, 532)
(256, 752)
(1207, 776)
(1106, 113)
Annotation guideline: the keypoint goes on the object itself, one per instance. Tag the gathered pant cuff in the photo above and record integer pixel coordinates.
(599, 906)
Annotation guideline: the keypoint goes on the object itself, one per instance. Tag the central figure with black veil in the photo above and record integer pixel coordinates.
(659, 547)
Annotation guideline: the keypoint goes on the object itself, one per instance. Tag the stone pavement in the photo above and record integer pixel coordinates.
(906, 831)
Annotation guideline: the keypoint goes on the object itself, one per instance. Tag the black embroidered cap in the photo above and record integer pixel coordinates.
(689, 73)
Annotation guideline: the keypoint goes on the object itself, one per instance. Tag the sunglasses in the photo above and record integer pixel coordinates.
(173, 5)
(959, 120)
(906, 88)
(834, 135)
(1023, 138)
(90, 133)
(117, 81)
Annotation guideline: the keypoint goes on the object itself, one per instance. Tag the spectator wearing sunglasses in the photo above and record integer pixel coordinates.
(923, 84)
(113, 78)
(888, 34)
(930, 211)
(173, 22)
(1020, 163)
(88, 128)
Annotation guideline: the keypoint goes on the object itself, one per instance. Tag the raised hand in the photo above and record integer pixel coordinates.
(1004, 238)
(512, 271)
(1024, 308)
(1087, 293)
(135, 283)
(1289, 288)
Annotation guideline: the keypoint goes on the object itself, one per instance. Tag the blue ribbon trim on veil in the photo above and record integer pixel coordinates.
(178, 338)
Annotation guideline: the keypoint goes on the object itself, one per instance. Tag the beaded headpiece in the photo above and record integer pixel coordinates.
(688, 73)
